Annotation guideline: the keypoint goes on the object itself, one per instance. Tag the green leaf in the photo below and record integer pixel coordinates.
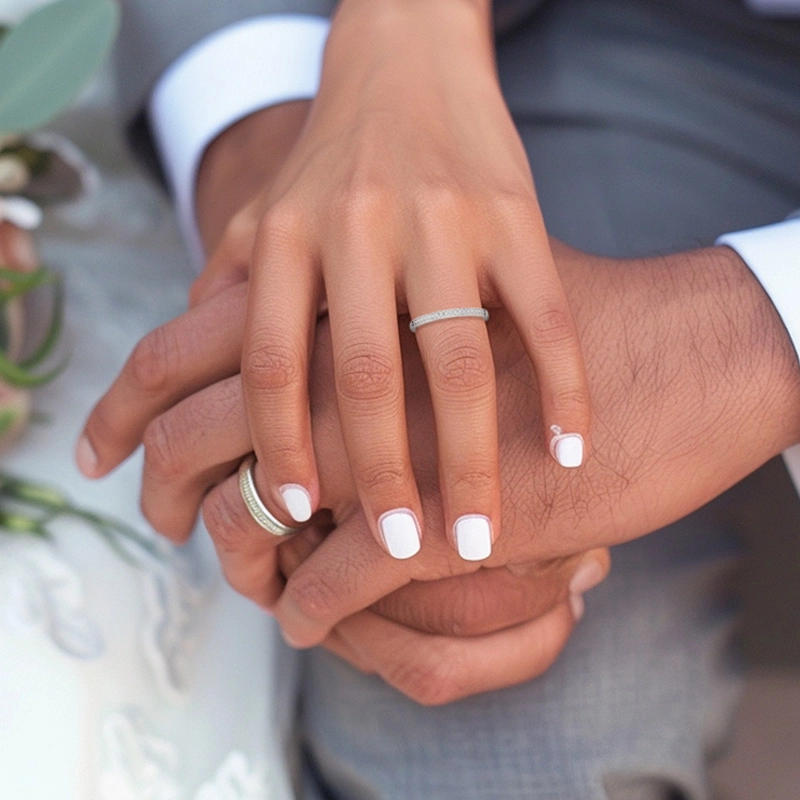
(14, 283)
(21, 378)
(53, 334)
(49, 56)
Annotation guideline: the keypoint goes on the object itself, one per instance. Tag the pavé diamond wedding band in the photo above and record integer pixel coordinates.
(447, 313)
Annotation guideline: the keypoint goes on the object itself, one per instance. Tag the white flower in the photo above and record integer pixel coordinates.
(21, 212)
(14, 174)
(14, 11)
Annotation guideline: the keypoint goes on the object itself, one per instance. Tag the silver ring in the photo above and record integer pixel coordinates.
(255, 505)
(447, 313)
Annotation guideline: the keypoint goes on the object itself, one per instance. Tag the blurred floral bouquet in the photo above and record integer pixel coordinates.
(48, 51)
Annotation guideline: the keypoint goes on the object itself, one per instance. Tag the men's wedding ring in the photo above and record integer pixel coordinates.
(255, 505)
(447, 313)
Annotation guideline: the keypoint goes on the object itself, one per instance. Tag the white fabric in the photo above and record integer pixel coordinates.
(244, 67)
(148, 680)
(773, 254)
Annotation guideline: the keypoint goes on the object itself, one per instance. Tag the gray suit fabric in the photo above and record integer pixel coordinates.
(651, 126)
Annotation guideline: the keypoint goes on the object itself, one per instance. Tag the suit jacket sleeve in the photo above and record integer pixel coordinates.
(155, 32)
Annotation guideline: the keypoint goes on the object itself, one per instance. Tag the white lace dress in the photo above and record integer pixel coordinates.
(148, 680)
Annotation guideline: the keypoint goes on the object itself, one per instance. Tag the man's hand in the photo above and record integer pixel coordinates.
(696, 383)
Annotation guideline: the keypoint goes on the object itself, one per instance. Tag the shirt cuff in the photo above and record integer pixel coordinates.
(773, 254)
(239, 69)
(775, 8)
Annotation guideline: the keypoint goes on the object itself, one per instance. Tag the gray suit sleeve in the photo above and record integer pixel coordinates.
(155, 32)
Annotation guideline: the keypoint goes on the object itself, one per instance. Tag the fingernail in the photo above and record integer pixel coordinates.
(473, 534)
(578, 606)
(297, 501)
(86, 458)
(400, 532)
(566, 448)
(585, 578)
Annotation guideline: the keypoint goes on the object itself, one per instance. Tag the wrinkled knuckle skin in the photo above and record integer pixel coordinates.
(382, 476)
(162, 454)
(554, 327)
(365, 375)
(314, 596)
(475, 480)
(461, 364)
(152, 362)
(433, 678)
(282, 223)
(225, 521)
(571, 399)
(270, 367)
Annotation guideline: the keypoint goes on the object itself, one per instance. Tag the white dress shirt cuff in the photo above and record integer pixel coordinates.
(242, 68)
(773, 254)
(775, 8)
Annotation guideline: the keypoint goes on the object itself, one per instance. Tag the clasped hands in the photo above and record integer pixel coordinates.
(406, 187)
(697, 381)
(434, 626)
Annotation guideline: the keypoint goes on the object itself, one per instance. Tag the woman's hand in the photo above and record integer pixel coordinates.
(435, 638)
(407, 190)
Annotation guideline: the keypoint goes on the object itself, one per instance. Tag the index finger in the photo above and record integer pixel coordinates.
(197, 349)
(434, 670)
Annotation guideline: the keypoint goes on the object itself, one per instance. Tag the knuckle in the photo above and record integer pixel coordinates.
(224, 521)
(356, 205)
(270, 365)
(571, 398)
(461, 363)
(467, 615)
(554, 326)
(519, 208)
(441, 203)
(162, 454)
(432, 678)
(364, 373)
(282, 222)
(475, 480)
(247, 582)
(382, 476)
(315, 596)
(153, 361)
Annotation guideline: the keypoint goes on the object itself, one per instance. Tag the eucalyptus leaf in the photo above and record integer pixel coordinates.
(49, 56)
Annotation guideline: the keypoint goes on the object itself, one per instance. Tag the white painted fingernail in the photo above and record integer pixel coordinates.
(400, 532)
(566, 448)
(473, 534)
(586, 577)
(297, 501)
(578, 605)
